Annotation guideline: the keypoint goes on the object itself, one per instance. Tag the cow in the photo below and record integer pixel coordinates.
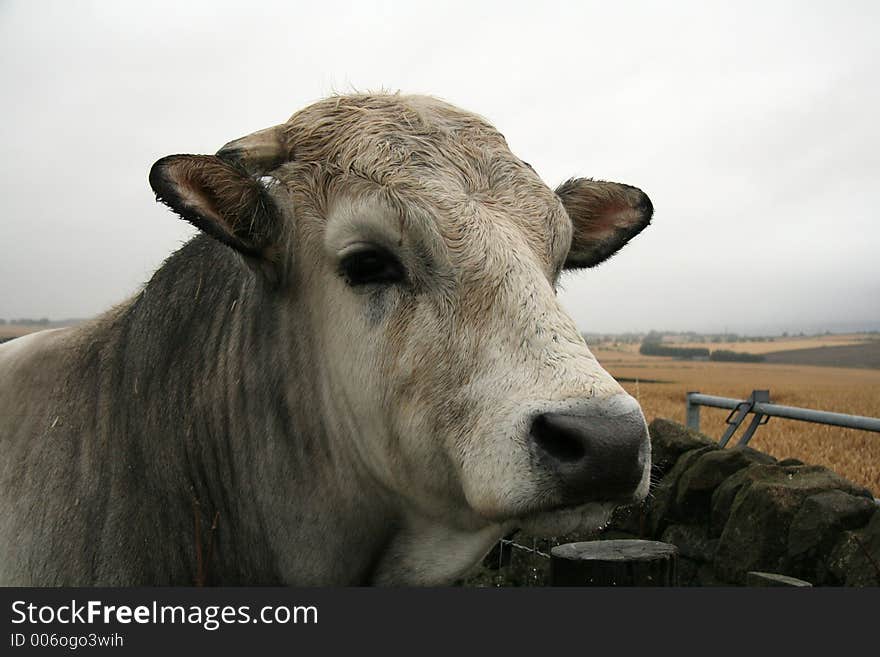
(358, 371)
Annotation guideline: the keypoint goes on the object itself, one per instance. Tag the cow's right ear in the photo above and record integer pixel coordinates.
(220, 199)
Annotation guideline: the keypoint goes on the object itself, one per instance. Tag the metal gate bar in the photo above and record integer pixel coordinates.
(758, 403)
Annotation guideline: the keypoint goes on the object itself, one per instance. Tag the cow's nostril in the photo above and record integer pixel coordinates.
(596, 449)
(557, 439)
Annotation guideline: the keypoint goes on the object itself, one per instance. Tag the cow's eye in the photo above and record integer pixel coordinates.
(371, 266)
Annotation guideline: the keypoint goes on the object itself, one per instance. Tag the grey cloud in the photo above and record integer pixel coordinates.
(752, 127)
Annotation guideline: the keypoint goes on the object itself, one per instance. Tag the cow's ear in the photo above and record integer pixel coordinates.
(221, 199)
(604, 215)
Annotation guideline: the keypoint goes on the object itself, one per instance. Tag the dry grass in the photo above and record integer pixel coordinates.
(16, 330)
(854, 454)
(780, 344)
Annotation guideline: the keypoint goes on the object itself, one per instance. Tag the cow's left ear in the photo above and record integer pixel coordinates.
(221, 199)
(604, 215)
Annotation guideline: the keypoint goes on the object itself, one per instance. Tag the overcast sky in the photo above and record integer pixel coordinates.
(753, 127)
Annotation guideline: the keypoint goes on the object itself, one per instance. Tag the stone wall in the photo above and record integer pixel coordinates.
(731, 511)
(735, 510)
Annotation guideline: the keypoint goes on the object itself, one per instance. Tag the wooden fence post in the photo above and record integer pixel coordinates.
(614, 563)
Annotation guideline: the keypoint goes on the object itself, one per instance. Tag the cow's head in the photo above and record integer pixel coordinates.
(422, 258)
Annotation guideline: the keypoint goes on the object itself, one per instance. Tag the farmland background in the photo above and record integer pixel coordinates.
(660, 385)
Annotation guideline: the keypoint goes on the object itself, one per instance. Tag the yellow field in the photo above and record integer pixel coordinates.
(853, 454)
(779, 344)
(17, 330)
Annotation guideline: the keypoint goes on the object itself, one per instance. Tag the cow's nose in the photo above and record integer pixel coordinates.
(597, 449)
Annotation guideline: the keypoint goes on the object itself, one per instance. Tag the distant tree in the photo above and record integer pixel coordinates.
(649, 348)
(653, 337)
(735, 356)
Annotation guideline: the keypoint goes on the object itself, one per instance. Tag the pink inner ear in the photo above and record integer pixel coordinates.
(195, 196)
(613, 217)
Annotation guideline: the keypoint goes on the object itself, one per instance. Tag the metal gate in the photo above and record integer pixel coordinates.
(759, 405)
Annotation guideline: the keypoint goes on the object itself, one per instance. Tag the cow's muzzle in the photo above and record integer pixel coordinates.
(596, 449)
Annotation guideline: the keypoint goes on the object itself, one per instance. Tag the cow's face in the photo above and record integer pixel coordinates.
(423, 258)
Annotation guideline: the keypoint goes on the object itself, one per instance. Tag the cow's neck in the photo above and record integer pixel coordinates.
(230, 435)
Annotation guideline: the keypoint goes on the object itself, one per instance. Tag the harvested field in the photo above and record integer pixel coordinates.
(854, 454)
(10, 331)
(866, 354)
(781, 343)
